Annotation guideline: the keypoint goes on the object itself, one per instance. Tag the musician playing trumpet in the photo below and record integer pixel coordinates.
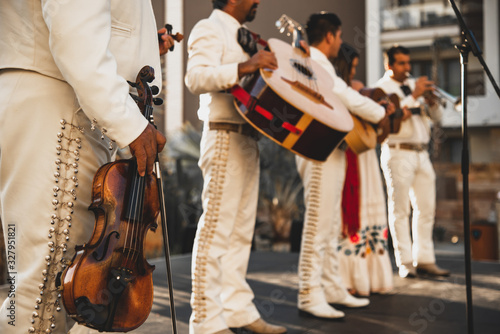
(408, 171)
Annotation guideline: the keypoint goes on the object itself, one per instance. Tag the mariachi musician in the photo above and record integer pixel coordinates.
(221, 298)
(64, 109)
(407, 168)
(319, 278)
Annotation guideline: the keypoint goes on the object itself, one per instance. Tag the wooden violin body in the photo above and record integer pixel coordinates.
(109, 284)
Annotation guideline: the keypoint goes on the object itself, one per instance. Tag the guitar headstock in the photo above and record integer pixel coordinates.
(292, 27)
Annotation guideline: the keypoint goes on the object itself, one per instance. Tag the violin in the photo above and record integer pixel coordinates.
(109, 286)
(177, 37)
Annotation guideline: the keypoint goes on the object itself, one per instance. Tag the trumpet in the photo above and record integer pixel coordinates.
(442, 96)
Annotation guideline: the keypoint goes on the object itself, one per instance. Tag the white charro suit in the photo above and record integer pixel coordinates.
(319, 278)
(63, 71)
(410, 177)
(221, 297)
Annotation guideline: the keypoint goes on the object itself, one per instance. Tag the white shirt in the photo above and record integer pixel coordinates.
(212, 67)
(357, 104)
(93, 46)
(416, 129)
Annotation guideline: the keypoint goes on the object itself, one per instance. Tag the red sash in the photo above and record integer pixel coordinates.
(350, 196)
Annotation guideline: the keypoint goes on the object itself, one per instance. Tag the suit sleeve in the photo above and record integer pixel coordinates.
(358, 104)
(80, 32)
(205, 71)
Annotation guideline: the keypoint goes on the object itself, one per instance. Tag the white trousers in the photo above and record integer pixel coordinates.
(319, 276)
(221, 297)
(410, 178)
(48, 157)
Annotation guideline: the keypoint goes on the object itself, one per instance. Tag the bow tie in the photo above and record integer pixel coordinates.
(406, 89)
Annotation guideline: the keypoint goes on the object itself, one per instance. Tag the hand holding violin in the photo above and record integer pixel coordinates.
(166, 39)
(145, 147)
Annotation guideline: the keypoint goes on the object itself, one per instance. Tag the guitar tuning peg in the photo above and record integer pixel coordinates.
(155, 90)
(157, 101)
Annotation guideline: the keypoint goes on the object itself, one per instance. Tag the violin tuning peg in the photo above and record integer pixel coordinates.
(155, 90)
(135, 97)
(169, 28)
(132, 83)
(157, 101)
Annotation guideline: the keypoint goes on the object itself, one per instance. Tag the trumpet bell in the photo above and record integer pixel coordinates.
(445, 97)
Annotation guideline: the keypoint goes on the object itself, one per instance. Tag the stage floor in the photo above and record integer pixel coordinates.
(420, 305)
(415, 305)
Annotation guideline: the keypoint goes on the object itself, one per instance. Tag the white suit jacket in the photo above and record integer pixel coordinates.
(93, 45)
(357, 104)
(416, 129)
(214, 54)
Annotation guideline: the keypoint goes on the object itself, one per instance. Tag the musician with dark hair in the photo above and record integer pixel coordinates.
(319, 281)
(407, 168)
(221, 298)
(365, 265)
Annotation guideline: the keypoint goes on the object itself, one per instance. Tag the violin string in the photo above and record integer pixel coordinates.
(140, 203)
(148, 111)
(139, 219)
(131, 214)
(138, 191)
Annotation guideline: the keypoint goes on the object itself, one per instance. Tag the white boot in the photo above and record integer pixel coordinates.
(323, 311)
(350, 301)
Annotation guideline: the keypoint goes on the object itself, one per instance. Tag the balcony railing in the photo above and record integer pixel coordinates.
(417, 15)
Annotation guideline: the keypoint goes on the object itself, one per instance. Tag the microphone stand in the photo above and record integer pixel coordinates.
(467, 45)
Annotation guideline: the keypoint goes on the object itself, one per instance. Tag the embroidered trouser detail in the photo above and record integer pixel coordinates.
(221, 295)
(207, 231)
(309, 232)
(318, 262)
(33, 203)
(43, 318)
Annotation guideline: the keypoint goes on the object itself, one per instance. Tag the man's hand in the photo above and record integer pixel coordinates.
(262, 59)
(390, 108)
(145, 147)
(166, 41)
(406, 114)
(422, 85)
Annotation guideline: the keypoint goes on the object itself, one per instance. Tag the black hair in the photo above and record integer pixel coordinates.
(343, 61)
(394, 50)
(219, 4)
(320, 24)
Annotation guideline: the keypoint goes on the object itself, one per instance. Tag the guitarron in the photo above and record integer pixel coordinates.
(294, 105)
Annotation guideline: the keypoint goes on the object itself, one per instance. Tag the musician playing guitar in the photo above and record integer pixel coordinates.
(408, 171)
(365, 265)
(319, 280)
(221, 298)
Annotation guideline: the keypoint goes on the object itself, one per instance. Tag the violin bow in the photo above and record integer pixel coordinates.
(147, 75)
(166, 248)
